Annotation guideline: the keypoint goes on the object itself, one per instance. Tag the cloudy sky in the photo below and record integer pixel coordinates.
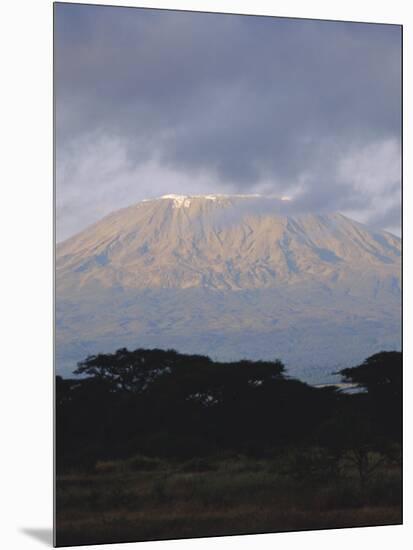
(153, 102)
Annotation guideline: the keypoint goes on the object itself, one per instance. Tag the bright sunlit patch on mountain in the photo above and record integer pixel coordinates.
(185, 200)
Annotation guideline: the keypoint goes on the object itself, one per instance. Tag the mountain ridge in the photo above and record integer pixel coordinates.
(213, 242)
(229, 276)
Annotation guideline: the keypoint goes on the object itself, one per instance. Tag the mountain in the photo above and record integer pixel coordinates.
(229, 276)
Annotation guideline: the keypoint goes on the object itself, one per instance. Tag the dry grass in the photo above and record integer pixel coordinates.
(145, 499)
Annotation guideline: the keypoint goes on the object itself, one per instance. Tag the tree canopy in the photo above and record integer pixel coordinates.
(382, 372)
(163, 403)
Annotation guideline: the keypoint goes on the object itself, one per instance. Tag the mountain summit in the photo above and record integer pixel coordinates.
(229, 276)
(222, 242)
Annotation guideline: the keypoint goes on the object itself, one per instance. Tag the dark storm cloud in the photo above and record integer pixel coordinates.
(232, 103)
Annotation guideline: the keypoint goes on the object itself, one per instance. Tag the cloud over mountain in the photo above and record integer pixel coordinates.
(151, 102)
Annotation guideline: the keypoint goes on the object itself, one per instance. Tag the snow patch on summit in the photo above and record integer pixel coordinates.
(178, 200)
(185, 200)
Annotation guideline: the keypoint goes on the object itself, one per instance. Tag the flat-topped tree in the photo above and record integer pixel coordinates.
(136, 371)
(379, 374)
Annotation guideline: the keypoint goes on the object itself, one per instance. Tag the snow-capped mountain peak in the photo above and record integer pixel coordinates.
(235, 276)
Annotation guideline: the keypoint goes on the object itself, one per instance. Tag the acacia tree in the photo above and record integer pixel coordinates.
(128, 371)
(380, 375)
(367, 428)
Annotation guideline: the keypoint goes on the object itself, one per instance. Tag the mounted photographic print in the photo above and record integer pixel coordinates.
(227, 274)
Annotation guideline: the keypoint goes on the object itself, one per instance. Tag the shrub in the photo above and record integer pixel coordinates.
(198, 465)
(144, 463)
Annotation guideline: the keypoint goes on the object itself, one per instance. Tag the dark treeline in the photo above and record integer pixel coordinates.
(166, 404)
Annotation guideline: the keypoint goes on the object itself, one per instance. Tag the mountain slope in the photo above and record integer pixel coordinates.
(229, 276)
(228, 243)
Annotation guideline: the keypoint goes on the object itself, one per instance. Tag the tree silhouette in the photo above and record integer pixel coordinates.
(163, 403)
(381, 377)
(379, 374)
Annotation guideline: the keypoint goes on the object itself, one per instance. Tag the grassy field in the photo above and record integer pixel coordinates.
(147, 499)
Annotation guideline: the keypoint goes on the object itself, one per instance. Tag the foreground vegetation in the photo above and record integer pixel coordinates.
(144, 499)
(155, 445)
